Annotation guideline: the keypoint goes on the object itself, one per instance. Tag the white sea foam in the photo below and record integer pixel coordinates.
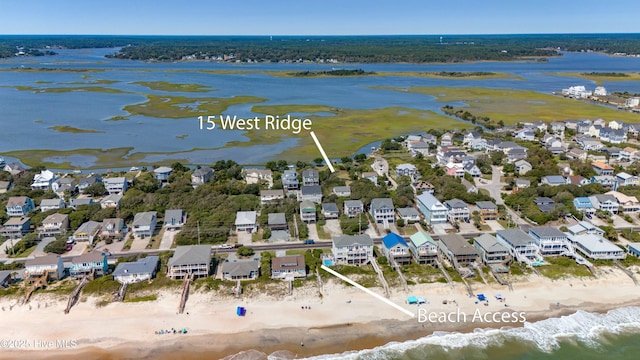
(583, 327)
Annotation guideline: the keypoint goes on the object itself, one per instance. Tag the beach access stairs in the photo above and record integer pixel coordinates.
(185, 292)
(383, 281)
(75, 295)
(478, 268)
(403, 280)
(444, 272)
(319, 281)
(501, 281)
(121, 292)
(627, 271)
(40, 282)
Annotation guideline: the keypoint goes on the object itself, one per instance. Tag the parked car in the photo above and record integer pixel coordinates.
(309, 241)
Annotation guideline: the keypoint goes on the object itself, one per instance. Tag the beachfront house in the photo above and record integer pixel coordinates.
(596, 247)
(86, 264)
(634, 249)
(140, 270)
(144, 224)
(16, 228)
(382, 211)
(311, 193)
(111, 201)
(50, 204)
(246, 221)
(113, 228)
(193, 259)
(491, 251)
(240, 270)
(174, 219)
(269, 196)
(396, 249)
(550, 240)
(423, 248)
(116, 185)
(519, 243)
(201, 176)
(19, 206)
(310, 177)
(457, 250)
(308, 211)
(6, 278)
(288, 267)
(88, 231)
(50, 264)
(434, 211)
(53, 225)
(353, 208)
(352, 249)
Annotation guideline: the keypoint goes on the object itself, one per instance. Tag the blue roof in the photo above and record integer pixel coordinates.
(582, 202)
(392, 240)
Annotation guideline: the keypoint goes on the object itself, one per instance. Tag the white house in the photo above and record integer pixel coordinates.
(434, 211)
(596, 247)
(141, 270)
(43, 180)
(116, 185)
(87, 231)
(382, 211)
(352, 249)
(353, 208)
(246, 221)
(50, 264)
(144, 223)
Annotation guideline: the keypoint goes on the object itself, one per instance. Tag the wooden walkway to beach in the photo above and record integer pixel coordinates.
(383, 281)
(40, 282)
(627, 271)
(75, 295)
(185, 292)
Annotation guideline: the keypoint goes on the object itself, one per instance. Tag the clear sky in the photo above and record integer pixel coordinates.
(319, 17)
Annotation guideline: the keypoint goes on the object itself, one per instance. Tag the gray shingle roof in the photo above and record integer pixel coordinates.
(144, 218)
(240, 268)
(191, 255)
(516, 237)
(488, 205)
(330, 207)
(350, 240)
(145, 265)
(546, 231)
(380, 203)
(457, 245)
(276, 219)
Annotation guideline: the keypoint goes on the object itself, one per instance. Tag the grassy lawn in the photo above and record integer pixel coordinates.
(512, 106)
(25, 253)
(561, 267)
(409, 229)
(421, 274)
(127, 244)
(101, 286)
(321, 233)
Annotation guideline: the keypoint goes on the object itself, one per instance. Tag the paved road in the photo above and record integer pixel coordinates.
(39, 251)
(495, 191)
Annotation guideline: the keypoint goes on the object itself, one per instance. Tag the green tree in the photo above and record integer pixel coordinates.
(96, 189)
(245, 251)
(57, 246)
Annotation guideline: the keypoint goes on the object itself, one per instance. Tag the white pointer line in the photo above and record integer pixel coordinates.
(324, 154)
(387, 301)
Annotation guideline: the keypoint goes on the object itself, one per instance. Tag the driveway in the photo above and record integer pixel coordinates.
(494, 187)
(78, 249)
(244, 238)
(139, 244)
(39, 251)
(313, 232)
(167, 239)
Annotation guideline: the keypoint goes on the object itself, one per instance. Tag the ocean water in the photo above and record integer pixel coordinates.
(582, 335)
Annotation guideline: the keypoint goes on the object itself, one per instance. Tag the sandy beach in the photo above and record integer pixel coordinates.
(345, 318)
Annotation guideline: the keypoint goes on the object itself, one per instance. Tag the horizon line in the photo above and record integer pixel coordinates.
(335, 35)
